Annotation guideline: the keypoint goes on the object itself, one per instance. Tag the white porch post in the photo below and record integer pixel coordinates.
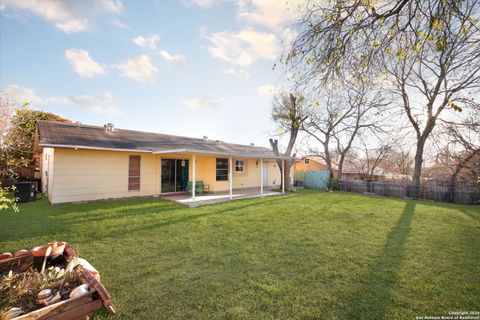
(261, 176)
(283, 176)
(230, 176)
(194, 168)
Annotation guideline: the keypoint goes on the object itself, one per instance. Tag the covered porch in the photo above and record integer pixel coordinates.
(218, 177)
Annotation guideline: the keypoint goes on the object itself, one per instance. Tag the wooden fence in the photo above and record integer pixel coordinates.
(461, 195)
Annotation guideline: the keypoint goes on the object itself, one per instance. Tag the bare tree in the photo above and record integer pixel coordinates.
(461, 150)
(345, 113)
(370, 156)
(431, 50)
(435, 71)
(6, 110)
(288, 112)
(399, 160)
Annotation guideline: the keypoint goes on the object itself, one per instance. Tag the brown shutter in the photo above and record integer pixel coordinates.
(134, 173)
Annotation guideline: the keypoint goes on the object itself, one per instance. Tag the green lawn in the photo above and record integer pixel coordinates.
(315, 255)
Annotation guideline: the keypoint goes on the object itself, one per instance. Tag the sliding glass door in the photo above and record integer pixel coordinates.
(174, 175)
(168, 175)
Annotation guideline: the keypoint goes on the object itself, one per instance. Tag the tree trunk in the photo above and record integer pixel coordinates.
(417, 170)
(288, 181)
(328, 160)
(274, 145)
(340, 166)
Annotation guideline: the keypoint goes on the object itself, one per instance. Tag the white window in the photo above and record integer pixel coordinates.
(239, 166)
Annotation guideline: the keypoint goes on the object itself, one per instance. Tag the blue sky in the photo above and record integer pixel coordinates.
(187, 67)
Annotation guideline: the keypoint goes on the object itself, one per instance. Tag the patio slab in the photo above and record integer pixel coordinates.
(218, 197)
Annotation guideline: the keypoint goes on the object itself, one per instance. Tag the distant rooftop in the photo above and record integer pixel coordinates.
(81, 136)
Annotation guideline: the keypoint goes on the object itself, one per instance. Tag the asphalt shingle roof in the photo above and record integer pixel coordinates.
(60, 134)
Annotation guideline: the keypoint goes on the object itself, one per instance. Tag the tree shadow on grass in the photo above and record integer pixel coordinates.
(374, 293)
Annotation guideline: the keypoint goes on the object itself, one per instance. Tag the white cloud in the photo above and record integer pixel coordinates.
(177, 60)
(68, 16)
(119, 24)
(83, 64)
(269, 13)
(201, 3)
(147, 42)
(103, 103)
(244, 47)
(267, 90)
(288, 36)
(239, 72)
(139, 68)
(23, 95)
(202, 102)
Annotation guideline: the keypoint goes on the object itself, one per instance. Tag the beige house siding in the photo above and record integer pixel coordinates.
(47, 171)
(251, 175)
(274, 176)
(84, 175)
(92, 175)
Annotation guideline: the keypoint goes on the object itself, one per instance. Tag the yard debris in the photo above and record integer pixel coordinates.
(80, 291)
(6, 255)
(63, 277)
(14, 312)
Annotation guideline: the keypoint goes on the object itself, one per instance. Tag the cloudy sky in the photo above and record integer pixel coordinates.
(187, 67)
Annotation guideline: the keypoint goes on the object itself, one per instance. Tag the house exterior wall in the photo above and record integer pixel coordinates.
(84, 175)
(81, 175)
(46, 168)
(313, 165)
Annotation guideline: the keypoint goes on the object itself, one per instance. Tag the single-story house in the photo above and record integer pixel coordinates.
(84, 162)
(311, 163)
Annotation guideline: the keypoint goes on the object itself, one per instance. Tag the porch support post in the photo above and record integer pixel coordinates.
(230, 176)
(283, 178)
(194, 169)
(261, 177)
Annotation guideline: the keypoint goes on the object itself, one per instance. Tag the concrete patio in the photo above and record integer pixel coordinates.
(218, 197)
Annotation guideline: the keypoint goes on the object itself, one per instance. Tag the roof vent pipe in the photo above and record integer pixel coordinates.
(205, 138)
(109, 127)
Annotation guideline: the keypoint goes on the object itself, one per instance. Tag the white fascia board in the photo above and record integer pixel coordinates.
(90, 148)
(220, 153)
(170, 151)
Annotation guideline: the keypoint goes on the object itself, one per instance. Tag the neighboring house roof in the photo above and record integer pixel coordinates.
(74, 135)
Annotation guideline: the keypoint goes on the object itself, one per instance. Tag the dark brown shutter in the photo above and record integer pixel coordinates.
(134, 173)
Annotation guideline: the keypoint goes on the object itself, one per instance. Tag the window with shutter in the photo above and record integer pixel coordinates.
(134, 173)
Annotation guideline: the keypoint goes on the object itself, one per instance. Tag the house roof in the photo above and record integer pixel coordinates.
(80, 136)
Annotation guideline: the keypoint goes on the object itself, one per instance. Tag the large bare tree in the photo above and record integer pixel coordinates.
(347, 109)
(289, 111)
(429, 49)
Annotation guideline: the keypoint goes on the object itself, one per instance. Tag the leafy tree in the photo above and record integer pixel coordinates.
(19, 140)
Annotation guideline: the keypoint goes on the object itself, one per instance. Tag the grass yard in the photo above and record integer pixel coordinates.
(315, 255)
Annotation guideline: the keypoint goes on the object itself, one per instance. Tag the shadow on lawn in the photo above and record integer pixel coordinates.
(373, 295)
